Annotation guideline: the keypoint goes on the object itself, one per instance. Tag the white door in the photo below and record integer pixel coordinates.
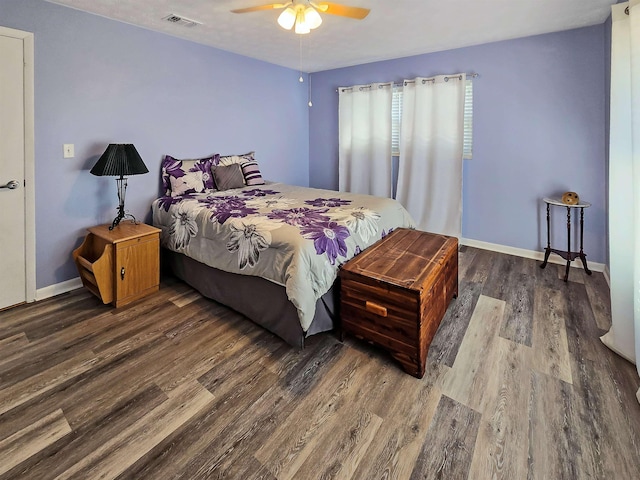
(12, 173)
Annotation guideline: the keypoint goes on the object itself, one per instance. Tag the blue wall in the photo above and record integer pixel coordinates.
(99, 81)
(539, 130)
(539, 123)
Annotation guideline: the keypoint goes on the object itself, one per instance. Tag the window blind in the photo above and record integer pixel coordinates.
(396, 118)
(467, 150)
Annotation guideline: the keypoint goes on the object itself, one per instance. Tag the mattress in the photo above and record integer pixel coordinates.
(294, 237)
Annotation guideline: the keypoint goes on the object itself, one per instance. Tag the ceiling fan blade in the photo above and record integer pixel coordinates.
(343, 10)
(271, 6)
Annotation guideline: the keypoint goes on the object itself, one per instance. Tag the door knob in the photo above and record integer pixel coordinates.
(11, 185)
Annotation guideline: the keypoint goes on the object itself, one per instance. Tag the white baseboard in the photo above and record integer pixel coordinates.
(58, 288)
(521, 252)
(74, 283)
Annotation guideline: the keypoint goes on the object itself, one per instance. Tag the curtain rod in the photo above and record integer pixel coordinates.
(406, 82)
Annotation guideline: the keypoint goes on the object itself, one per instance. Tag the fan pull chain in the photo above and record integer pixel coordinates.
(301, 78)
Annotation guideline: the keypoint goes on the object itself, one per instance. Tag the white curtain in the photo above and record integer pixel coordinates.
(624, 182)
(431, 139)
(364, 133)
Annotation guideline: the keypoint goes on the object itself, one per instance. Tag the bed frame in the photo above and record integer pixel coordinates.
(262, 301)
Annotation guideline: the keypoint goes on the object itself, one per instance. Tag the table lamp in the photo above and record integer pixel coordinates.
(120, 159)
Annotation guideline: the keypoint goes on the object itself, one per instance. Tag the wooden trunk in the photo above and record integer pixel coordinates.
(395, 293)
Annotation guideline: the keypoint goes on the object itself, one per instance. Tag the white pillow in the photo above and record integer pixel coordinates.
(190, 182)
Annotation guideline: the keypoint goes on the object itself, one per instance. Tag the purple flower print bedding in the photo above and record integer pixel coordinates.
(293, 236)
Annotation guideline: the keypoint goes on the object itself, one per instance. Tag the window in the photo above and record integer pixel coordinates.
(468, 121)
(396, 116)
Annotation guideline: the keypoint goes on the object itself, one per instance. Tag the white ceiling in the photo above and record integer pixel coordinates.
(393, 29)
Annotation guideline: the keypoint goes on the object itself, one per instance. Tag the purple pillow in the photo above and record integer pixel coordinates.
(172, 167)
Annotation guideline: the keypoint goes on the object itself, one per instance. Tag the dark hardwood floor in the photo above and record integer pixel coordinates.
(518, 386)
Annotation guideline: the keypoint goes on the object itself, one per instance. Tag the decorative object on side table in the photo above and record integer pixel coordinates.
(568, 255)
(120, 159)
(570, 198)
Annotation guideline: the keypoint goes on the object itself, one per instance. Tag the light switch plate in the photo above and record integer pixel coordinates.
(68, 150)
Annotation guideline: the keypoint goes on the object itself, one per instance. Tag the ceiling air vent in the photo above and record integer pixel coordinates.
(178, 20)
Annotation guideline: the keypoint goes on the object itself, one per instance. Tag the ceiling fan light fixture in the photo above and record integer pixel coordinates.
(301, 24)
(287, 18)
(304, 15)
(302, 29)
(312, 17)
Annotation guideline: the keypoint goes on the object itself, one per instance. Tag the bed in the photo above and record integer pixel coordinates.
(271, 251)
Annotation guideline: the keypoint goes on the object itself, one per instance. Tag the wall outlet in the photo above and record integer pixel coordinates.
(68, 150)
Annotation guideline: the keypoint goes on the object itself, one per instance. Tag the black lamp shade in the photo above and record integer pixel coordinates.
(120, 159)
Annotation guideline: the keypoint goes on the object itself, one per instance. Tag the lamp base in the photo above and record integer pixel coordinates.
(120, 217)
(122, 190)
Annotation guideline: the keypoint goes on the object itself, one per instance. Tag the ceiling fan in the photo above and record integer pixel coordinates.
(304, 13)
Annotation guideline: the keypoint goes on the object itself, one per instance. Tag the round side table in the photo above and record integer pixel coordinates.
(568, 255)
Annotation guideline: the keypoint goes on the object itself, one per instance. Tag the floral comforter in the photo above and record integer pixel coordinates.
(293, 236)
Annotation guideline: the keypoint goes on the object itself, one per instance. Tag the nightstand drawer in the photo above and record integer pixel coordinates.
(137, 268)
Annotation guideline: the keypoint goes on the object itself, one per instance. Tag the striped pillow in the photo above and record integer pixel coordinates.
(251, 173)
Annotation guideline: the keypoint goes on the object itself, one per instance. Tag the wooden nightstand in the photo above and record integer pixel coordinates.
(120, 265)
